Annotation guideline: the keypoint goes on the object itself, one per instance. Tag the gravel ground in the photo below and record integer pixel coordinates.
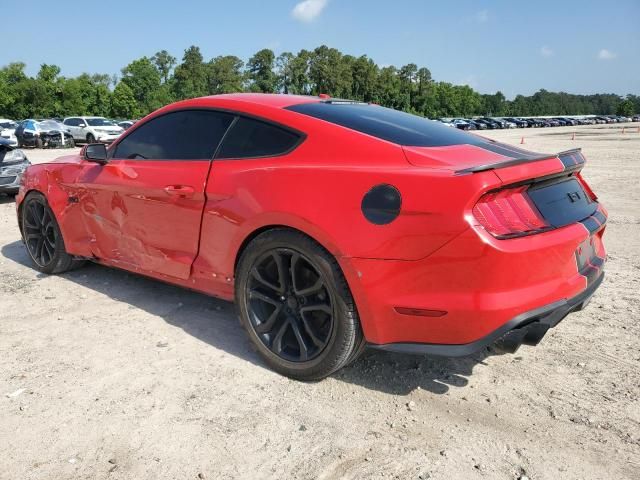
(105, 374)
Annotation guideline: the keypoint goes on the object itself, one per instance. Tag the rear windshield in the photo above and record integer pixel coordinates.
(388, 124)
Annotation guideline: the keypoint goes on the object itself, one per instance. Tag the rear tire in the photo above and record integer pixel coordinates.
(295, 304)
(43, 238)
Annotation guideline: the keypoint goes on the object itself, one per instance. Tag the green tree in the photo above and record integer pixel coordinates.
(330, 72)
(190, 78)
(164, 62)
(626, 108)
(142, 77)
(300, 83)
(123, 103)
(494, 104)
(260, 72)
(364, 73)
(225, 75)
(284, 72)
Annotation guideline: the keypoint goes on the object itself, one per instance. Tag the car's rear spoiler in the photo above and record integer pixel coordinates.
(571, 159)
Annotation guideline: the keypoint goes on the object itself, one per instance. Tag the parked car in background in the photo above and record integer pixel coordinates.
(478, 125)
(93, 129)
(462, 124)
(13, 163)
(55, 134)
(8, 131)
(603, 119)
(518, 122)
(635, 118)
(496, 123)
(43, 134)
(490, 125)
(126, 124)
(27, 134)
(446, 121)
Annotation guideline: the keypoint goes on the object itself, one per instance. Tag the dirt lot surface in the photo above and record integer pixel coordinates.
(104, 374)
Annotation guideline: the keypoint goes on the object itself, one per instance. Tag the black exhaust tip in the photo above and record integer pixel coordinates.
(511, 341)
(529, 335)
(535, 333)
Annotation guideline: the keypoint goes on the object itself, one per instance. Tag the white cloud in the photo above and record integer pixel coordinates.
(546, 51)
(308, 10)
(482, 16)
(605, 54)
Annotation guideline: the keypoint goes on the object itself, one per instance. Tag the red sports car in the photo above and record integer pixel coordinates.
(333, 224)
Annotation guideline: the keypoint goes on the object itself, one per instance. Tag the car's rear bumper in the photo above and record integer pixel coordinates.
(473, 286)
(527, 328)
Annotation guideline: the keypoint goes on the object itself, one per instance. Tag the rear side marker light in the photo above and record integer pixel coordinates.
(509, 213)
(420, 312)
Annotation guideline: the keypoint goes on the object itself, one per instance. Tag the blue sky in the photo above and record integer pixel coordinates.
(515, 47)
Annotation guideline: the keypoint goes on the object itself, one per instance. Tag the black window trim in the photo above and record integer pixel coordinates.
(302, 136)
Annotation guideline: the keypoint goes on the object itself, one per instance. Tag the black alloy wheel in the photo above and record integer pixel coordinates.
(290, 307)
(43, 238)
(40, 236)
(296, 306)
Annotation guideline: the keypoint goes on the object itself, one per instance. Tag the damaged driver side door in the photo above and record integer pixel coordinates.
(143, 208)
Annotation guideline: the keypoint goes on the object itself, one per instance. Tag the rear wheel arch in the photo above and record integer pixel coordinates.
(258, 231)
(21, 206)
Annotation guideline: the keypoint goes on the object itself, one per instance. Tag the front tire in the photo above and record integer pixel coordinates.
(91, 138)
(296, 306)
(43, 238)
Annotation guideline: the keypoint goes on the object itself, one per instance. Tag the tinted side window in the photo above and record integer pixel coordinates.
(253, 138)
(388, 124)
(183, 135)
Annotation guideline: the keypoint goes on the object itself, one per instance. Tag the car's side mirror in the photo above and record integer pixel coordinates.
(82, 125)
(95, 152)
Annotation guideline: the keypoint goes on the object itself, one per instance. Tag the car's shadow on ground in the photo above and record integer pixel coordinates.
(6, 199)
(215, 322)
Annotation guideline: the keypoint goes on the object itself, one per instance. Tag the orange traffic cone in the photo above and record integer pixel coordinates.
(573, 136)
(522, 141)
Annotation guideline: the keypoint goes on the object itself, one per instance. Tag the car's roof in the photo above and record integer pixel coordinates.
(277, 100)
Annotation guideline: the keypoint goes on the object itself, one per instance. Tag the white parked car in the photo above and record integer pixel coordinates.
(93, 129)
(8, 130)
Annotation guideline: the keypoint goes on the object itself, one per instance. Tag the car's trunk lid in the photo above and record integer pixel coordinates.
(552, 180)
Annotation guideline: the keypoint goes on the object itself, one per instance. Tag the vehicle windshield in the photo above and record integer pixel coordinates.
(8, 125)
(100, 122)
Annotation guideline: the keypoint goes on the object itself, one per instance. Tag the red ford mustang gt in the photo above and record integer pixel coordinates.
(333, 224)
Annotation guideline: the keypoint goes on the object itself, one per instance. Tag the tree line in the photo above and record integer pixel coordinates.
(148, 83)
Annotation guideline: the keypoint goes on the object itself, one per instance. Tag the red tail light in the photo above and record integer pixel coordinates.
(509, 213)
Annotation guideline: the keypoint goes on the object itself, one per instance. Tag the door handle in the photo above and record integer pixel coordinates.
(183, 191)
